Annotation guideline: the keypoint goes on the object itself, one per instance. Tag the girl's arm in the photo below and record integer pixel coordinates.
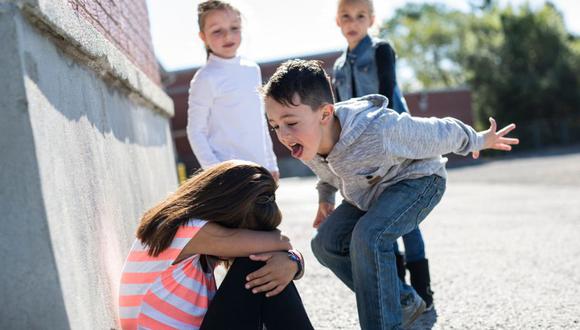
(386, 59)
(214, 239)
(198, 114)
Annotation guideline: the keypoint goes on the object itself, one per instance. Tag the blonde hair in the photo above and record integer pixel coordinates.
(368, 3)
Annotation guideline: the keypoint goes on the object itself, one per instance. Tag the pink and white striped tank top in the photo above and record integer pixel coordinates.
(155, 294)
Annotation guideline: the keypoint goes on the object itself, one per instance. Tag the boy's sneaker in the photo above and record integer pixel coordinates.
(413, 306)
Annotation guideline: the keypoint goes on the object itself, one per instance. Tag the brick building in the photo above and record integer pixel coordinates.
(438, 103)
(126, 25)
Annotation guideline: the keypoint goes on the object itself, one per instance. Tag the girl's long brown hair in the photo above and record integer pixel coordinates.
(234, 194)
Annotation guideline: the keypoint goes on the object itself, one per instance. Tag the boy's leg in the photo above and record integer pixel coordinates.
(235, 307)
(331, 245)
(397, 211)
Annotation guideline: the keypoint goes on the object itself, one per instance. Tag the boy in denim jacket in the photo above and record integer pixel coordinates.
(366, 67)
(387, 166)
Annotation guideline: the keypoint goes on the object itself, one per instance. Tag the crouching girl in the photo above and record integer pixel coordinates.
(227, 212)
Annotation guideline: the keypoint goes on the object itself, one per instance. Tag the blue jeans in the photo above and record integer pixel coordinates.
(357, 246)
(414, 246)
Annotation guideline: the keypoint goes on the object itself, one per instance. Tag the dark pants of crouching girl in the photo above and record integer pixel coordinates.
(235, 307)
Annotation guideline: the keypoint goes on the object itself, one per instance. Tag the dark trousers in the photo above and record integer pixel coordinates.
(235, 307)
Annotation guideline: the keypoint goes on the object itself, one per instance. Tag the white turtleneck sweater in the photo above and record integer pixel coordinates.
(226, 117)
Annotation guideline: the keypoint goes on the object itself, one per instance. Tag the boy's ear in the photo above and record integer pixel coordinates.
(327, 113)
(372, 20)
(201, 36)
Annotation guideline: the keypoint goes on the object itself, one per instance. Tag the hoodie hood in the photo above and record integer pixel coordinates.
(354, 116)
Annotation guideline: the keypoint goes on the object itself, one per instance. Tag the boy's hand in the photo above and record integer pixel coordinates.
(276, 175)
(274, 276)
(496, 140)
(324, 210)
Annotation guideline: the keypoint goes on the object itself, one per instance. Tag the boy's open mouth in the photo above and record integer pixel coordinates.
(296, 150)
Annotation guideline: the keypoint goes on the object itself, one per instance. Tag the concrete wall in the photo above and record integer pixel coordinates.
(85, 149)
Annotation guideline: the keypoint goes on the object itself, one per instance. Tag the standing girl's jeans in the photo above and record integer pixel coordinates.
(414, 246)
(358, 246)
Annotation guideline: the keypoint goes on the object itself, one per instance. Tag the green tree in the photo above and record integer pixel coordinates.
(430, 39)
(529, 73)
(521, 64)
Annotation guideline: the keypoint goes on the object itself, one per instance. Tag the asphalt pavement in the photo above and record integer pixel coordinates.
(503, 246)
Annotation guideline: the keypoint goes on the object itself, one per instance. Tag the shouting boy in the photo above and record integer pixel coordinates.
(388, 168)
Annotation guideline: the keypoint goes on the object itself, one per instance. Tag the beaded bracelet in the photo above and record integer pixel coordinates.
(296, 256)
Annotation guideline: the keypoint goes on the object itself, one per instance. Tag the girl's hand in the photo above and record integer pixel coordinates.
(324, 210)
(496, 140)
(274, 276)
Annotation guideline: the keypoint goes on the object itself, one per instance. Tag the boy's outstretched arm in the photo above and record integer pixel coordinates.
(496, 139)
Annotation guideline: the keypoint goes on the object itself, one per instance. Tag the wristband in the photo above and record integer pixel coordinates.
(297, 257)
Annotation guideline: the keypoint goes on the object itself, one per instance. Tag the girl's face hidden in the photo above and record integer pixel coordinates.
(222, 32)
(354, 20)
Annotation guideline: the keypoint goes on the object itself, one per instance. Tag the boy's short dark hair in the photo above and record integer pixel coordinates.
(307, 79)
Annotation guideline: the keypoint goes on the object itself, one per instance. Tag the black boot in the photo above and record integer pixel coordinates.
(420, 280)
(400, 259)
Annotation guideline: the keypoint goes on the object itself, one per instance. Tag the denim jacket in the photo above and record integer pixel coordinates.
(362, 59)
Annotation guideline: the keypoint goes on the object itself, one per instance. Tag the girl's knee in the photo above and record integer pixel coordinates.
(245, 265)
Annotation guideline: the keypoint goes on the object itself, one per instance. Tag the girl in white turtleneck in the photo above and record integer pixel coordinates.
(226, 116)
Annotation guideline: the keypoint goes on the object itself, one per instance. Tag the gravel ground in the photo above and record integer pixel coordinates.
(503, 246)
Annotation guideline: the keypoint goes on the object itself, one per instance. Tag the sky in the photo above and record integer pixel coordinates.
(276, 29)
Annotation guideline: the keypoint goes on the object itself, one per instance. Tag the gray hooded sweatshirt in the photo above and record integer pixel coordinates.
(379, 147)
